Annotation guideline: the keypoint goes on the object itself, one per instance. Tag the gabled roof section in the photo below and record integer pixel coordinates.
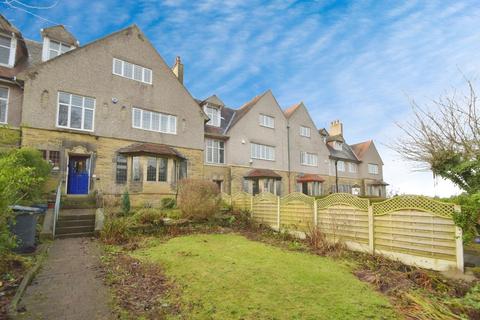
(291, 110)
(215, 100)
(361, 148)
(61, 34)
(345, 154)
(220, 132)
(7, 27)
(243, 110)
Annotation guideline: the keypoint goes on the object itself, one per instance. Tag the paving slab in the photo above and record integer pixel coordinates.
(69, 285)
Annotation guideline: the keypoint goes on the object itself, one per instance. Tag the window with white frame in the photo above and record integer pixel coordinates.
(3, 105)
(373, 168)
(337, 145)
(305, 131)
(308, 159)
(7, 51)
(352, 167)
(214, 115)
(132, 71)
(56, 48)
(266, 121)
(262, 152)
(214, 151)
(154, 121)
(341, 166)
(75, 112)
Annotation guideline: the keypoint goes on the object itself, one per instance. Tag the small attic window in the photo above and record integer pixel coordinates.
(214, 115)
(337, 145)
(56, 48)
(7, 51)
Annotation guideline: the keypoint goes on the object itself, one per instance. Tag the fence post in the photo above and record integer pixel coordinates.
(315, 222)
(371, 239)
(251, 206)
(459, 242)
(278, 213)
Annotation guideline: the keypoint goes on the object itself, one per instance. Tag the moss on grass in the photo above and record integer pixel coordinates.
(231, 277)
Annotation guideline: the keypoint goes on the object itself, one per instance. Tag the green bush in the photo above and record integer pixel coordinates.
(126, 203)
(168, 203)
(149, 216)
(22, 175)
(198, 199)
(115, 230)
(467, 218)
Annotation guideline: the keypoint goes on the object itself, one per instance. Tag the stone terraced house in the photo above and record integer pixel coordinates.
(111, 115)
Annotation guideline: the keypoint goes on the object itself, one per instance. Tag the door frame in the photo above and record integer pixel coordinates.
(89, 158)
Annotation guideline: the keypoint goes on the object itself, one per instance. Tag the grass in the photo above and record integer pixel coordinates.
(224, 276)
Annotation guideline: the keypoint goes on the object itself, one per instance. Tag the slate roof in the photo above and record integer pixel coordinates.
(345, 154)
(151, 148)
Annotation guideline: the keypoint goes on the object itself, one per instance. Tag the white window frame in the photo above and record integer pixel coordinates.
(171, 129)
(214, 114)
(341, 166)
(305, 131)
(373, 168)
(352, 167)
(122, 73)
(215, 147)
(262, 152)
(59, 51)
(13, 51)
(266, 121)
(308, 159)
(337, 145)
(68, 126)
(6, 105)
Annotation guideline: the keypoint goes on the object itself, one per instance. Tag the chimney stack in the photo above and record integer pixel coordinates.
(336, 128)
(178, 69)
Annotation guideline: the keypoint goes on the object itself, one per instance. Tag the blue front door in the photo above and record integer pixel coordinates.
(77, 175)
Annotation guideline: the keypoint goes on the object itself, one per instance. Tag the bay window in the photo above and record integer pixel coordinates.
(3, 105)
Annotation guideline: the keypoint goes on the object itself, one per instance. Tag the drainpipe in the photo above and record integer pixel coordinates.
(288, 159)
(336, 175)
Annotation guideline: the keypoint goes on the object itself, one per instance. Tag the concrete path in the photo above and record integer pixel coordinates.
(69, 285)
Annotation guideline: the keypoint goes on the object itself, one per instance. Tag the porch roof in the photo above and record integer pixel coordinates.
(263, 173)
(378, 183)
(310, 178)
(151, 148)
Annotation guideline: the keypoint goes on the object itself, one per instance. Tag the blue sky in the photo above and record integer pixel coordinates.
(357, 61)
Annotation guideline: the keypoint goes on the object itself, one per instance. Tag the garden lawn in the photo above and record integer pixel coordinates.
(230, 277)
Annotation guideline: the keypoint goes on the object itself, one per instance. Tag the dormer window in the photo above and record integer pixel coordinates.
(7, 51)
(56, 48)
(214, 115)
(337, 145)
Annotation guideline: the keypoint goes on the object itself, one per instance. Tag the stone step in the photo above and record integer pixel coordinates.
(76, 217)
(74, 235)
(75, 223)
(76, 229)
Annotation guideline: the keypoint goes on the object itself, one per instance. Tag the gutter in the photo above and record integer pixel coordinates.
(288, 158)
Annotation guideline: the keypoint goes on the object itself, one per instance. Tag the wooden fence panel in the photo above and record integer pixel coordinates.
(417, 230)
(344, 217)
(296, 212)
(265, 207)
(241, 201)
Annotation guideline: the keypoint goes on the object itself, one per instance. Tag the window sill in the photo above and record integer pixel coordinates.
(215, 164)
(75, 129)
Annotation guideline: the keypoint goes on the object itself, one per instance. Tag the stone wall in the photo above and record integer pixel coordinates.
(103, 151)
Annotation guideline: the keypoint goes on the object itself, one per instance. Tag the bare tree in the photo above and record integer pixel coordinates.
(445, 138)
